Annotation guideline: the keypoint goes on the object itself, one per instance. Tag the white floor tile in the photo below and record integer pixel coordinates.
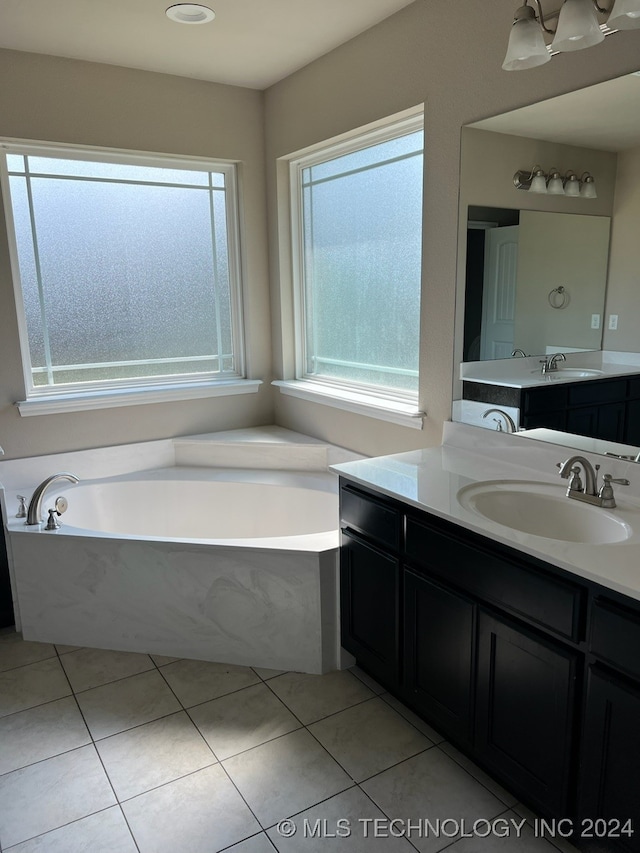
(482, 777)
(124, 704)
(32, 685)
(49, 794)
(368, 738)
(196, 681)
(14, 651)
(299, 772)
(349, 816)
(242, 720)
(432, 785)
(312, 697)
(41, 732)
(87, 668)
(412, 718)
(103, 832)
(151, 755)
(200, 813)
(506, 833)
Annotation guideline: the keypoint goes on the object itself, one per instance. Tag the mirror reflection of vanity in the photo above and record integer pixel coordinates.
(544, 273)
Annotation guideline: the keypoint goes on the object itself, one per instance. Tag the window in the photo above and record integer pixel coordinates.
(357, 214)
(126, 270)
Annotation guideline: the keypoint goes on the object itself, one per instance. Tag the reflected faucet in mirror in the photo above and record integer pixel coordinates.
(508, 420)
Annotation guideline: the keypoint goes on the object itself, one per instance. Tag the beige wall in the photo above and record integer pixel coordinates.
(447, 55)
(623, 289)
(444, 54)
(58, 100)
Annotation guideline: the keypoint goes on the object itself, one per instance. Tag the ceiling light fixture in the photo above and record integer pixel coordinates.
(190, 13)
(581, 23)
(537, 181)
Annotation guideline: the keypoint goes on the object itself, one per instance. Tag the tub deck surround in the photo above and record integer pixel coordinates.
(264, 596)
(430, 479)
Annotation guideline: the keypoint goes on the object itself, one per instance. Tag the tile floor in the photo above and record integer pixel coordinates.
(113, 752)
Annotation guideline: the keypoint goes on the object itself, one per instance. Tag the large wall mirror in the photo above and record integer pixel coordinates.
(538, 272)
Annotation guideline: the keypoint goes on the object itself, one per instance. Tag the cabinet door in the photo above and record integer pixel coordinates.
(438, 654)
(6, 606)
(606, 421)
(610, 762)
(369, 590)
(632, 432)
(525, 711)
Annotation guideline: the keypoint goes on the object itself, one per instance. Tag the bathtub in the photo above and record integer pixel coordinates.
(185, 548)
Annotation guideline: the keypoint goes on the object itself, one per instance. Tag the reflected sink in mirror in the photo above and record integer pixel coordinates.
(571, 373)
(542, 509)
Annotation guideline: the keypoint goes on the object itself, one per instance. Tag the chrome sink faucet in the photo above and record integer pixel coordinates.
(589, 493)
(35, 504)
(550, 363)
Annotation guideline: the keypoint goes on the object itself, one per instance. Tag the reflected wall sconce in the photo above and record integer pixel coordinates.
(553, 183)
(581, 23)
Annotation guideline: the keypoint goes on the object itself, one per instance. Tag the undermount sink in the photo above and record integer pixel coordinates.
(571, 373)
(542, 509)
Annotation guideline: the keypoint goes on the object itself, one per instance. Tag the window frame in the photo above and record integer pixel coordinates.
(105, 393)
(387, 403)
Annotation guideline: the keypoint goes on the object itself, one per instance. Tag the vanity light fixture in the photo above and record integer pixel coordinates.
(538, 181)
(190, 13)
(581, 23)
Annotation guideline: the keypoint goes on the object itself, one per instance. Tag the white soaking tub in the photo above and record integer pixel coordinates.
(231, 564)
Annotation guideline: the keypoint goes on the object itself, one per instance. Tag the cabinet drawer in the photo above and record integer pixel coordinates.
(364, 513)
(600, 391)
(615, 635)
(498, 578)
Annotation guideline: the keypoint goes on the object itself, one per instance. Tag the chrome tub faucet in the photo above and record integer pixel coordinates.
(34, 512)
(508, 420)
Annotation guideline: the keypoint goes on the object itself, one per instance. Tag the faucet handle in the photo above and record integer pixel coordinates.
(606, 491)
(22, 507)
(575, 483)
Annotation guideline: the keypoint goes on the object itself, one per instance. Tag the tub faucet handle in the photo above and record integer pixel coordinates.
(53, 523)
(22, 507)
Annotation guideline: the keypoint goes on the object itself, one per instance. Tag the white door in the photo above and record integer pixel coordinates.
(499, 292)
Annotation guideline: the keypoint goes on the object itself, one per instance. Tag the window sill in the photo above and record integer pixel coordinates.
(80, 401)
(394, 411)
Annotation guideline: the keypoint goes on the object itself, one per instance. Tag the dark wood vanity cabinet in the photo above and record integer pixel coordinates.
(6, 606)
(532, 672)
(607, 409)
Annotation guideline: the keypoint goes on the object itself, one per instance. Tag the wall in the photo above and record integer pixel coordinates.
(59, 100)
(623, 289)
(447, 55)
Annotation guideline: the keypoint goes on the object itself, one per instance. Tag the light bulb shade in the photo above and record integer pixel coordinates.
(578, 26)
(555, 185)
(572, 185)
(538, 183)
(625, 15)
(526, 47)
(588, 186)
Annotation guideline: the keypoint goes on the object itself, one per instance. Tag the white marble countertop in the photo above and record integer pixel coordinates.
(430, 480)
(526, 372)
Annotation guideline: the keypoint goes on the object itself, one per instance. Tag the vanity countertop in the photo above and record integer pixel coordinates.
(430, 480)
(526, 372)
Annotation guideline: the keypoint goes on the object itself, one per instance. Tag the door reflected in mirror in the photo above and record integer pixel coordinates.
(536, 282)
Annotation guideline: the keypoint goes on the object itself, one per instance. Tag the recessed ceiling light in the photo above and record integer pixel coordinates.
(190, 13)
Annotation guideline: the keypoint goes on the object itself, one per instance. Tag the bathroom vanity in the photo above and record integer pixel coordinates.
(522, 650)
(601, 403)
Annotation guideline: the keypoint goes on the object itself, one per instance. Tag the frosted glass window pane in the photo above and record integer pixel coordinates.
(114, 171)
(374, 155)
(124, 280)
(362, 257)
